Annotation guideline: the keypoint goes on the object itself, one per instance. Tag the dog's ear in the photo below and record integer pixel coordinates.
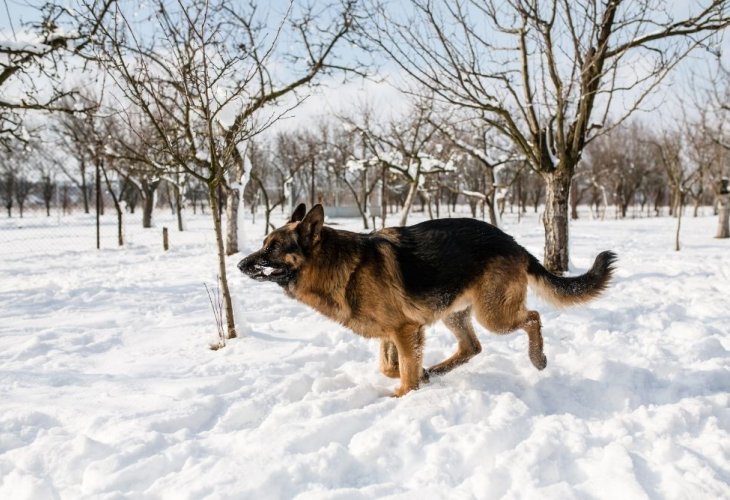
(298, 213)
(311, 226)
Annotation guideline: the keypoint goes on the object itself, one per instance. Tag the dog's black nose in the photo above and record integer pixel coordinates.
(243, 265)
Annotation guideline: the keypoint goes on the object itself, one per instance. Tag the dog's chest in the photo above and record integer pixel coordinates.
(325, 303)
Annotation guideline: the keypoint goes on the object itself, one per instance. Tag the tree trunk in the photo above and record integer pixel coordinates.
(178, 207)
(232, 206)
(267, 206)
(364, 196)
(170, 198)
(363, 214)
(360, 201)
(678, 210)
(117, 207)
(222, 276)
(473, 207)
(574, 211)
(412, 190)
(65, 203)
(147, 207)
(574, 200)
(234, 195)
(491, 196)
(384, 195)
(84, 188)
(723, 226)
(312, 187)
(555, 221)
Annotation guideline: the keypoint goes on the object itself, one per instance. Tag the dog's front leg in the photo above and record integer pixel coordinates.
(409, 343)
(389, 359)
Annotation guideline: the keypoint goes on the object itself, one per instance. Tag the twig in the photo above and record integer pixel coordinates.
(217, 307)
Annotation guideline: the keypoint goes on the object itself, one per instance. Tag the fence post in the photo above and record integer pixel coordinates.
(165, 241)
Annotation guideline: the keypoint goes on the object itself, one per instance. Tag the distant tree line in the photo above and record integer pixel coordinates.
(632, 170)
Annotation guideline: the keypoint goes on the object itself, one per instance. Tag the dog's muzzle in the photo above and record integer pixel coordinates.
(262, 270)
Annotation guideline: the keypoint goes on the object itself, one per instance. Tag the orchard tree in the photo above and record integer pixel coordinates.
(407, 146)
(489, 151)
(713, 108)
(75, 135)
(33, 64)
(617, 163)
(545, 75)
(203, 73)
(680, 173)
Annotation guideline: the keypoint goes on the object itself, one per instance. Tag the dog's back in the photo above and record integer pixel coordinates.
(441, 258)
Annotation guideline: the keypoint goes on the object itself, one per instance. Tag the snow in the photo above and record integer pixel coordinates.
(108, 388)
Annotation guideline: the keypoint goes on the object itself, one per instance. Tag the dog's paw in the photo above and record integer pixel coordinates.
(402, 391)
(539, 360)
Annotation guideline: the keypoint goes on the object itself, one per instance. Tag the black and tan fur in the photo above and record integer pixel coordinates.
(392, 283)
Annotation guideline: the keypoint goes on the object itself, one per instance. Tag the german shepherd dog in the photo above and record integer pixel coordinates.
(390, 284)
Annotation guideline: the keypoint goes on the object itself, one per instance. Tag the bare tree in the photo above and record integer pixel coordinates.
(714, 117)
(353, 163)
(46, 171)
(76, 135)
(48, 189)
(489, 151)
(705, 155)
(271, 177)
(406, 146)
(203, 77)
(138, 157)
(618, 162)
(7, 184)
(681, 175)
(544, 74)
(21, 164)
(31, 62)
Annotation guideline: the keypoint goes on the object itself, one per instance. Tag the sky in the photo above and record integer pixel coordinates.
(333, 96)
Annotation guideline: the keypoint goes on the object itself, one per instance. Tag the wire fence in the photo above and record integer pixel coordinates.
(64, 222)
(38, 232)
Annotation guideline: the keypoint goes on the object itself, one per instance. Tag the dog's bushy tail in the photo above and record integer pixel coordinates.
(572, 290)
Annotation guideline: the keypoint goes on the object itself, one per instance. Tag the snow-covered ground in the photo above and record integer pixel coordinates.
(108, 388)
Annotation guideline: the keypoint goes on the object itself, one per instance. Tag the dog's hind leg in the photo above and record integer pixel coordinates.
(500, 308)
(533, 327)
(409, 343)
(460, 325)
(529, 321)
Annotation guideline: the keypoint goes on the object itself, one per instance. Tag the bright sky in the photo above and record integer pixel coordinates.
(333, 96)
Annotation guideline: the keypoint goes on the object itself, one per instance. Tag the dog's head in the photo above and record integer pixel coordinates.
(287, 248)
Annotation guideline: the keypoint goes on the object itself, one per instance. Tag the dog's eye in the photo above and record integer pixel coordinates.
(273, 247)
(291, 248)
